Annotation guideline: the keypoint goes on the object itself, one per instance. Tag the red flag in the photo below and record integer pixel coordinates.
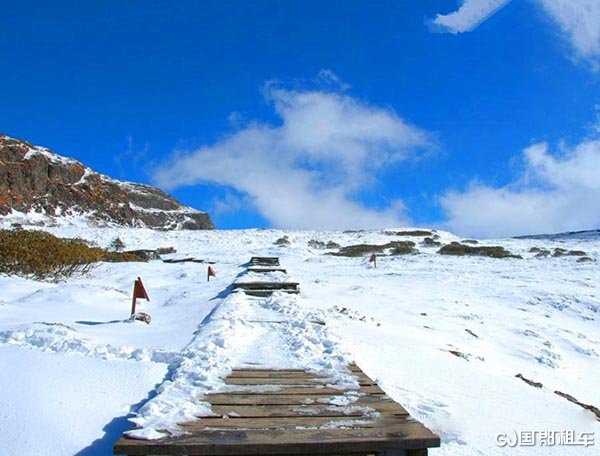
(373, 260)
(211, 273)
(139, 291)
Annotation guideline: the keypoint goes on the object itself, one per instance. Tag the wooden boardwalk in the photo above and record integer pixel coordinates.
(284, 412)
(264, 261)
(293, 412)
(266, 288)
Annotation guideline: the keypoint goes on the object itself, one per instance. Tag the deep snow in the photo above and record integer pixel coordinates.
(74, 366)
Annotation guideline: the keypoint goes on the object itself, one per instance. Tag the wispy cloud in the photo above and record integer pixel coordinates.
(555, 192)
(307, 171)
(578, 22)
(470, 14)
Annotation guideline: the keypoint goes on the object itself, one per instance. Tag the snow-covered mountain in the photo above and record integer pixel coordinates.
(40, 187)
(445, 336)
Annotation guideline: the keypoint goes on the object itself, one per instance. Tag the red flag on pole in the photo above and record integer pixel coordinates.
(211, 273)
(373, 260)
(138, 292)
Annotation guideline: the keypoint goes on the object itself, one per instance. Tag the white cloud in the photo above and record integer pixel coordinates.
(305, 172)
(578, 20)
(555, 193)
(470, 14)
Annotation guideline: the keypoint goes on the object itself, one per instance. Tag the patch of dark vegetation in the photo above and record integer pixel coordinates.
(117, 244)
(530, 382)
(409, 233)
(459, 354)
(42, 256)
(558, 252)
(584, 259)
(315, 244)
(431, 242)
(540, 252)
(470, 241)
(472, 333)
(358, 250)
(165, 250)
(458, 249)
(403, 248)
(282, 242)
(595, 410)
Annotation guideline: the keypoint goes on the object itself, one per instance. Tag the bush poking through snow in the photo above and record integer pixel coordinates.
(358, 250)
(282, 242)
(409, 233)
(315, 244)
(431, 242)
(404, 248)
(43, 256)
(558, 252)
(456, 248)
(117, 244)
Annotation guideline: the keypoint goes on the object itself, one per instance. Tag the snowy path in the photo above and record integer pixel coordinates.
(241, 331)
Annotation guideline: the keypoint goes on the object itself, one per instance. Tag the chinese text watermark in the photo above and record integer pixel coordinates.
(545, 438)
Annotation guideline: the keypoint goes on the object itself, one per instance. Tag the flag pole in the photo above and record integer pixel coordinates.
(134, 298)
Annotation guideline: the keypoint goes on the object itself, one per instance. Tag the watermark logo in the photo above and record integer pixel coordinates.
(545, 438)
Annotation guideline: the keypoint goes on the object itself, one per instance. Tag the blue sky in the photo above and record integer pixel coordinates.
(479, 116)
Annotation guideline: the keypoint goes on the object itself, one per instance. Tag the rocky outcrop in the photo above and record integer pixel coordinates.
(47, 187)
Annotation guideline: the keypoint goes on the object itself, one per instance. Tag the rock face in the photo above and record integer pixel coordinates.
(41, 185)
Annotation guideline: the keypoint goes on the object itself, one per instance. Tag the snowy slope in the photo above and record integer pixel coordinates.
(444, 336)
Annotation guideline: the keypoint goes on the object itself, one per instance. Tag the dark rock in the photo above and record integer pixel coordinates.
(34, 179)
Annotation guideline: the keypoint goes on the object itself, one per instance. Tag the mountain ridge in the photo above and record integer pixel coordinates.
(38, 186)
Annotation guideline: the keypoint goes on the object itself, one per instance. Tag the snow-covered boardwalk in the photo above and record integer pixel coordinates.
(335, 409)
(291, 411)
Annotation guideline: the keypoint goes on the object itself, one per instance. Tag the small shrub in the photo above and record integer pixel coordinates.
(540, 252)
(558, 252)
(43, 256)
(316, 244)
(282, 241)
(117, 244)
(456, 248)
(365, 249)
(429, 241)
(404, 248)
(165, 250)
(409, 233)
(584, 259)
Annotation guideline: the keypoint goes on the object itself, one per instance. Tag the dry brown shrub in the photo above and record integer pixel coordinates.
(43, 256)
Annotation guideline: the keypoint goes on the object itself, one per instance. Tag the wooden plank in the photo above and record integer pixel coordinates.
(275, 399)
(264, 293)
(301, 381)
(386, 407)
(268, 377)
(279, 422)
(300, 390)
(266, 285)
(264, 261)
(400, 434)
(265, 269)
(268, 370)
(254, 411)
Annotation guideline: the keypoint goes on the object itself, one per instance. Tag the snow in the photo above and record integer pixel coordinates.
(444, 336)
